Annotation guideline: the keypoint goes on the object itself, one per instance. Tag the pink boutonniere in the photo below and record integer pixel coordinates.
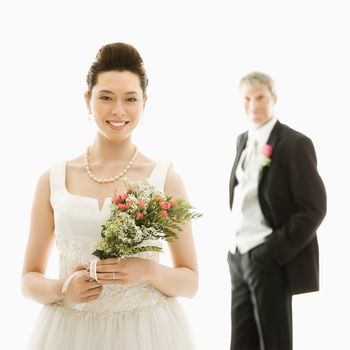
(266, 155)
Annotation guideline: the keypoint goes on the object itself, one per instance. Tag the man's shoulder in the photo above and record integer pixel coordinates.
(290, 133)
(242, 135)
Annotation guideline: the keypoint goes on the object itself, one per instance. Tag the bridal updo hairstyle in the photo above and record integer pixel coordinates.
(117, 57)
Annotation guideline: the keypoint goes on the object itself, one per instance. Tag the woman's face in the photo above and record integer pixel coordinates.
(116, 102)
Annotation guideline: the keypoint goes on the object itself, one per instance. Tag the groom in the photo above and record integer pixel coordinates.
(278, 200)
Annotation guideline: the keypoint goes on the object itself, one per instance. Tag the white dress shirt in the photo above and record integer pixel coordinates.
(249, 223)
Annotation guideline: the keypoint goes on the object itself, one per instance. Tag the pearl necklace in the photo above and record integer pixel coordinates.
(111, 179)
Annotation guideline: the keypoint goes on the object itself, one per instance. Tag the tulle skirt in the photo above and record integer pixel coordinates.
(162, 326)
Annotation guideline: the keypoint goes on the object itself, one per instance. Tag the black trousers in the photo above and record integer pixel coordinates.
(261, 306)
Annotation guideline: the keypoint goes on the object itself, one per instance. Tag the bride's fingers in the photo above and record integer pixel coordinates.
(95, 291)
(92, 294)
(80, 267)
(94, 288)
(108, 268)
(94, 284)
(85, 275)
(111, 266)
(109, 276)
(109, 261)
(116, 282)
(90, 298)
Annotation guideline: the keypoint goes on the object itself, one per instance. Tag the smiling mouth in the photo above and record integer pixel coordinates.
(117, 124)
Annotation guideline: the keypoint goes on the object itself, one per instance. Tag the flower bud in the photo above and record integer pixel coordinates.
(267, 150)
(116, 200)
(165, 205)
(122, 207)
(138, 215)
(163, 213)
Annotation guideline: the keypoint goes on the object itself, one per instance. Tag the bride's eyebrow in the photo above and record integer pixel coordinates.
(105, 92)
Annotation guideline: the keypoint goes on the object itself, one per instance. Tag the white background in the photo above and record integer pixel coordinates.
(195, 52)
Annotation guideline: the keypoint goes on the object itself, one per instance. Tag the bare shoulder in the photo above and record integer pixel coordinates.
(43, 190)
(174, 185)
(143, 166)
(76, 163)
(43, 183)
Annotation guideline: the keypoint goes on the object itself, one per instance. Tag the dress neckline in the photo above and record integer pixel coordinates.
(93, 199)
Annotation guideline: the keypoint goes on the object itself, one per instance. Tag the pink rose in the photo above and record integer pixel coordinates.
(174, 204)
(158, 198)
(116, 200)
(267, 150)
(122, 207)
(165, 205)
(141, 204)
(138, 215)
(163, 213)
(124, 196)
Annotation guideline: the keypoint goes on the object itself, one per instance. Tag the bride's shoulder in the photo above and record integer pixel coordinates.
(44, 180)
(76, 163)
(174, 185)
(144, 165)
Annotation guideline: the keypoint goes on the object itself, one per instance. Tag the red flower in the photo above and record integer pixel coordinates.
(116, 200)
(138, 215)
(165, 205)
(124, 196)
(122, 207)
(267, 150)
(174, 204)
(141, 204)
(163, 213)
(158, 198)
(128, 205)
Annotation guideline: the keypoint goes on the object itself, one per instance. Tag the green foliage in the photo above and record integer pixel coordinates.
(140, 215)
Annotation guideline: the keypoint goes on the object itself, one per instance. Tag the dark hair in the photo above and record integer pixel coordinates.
(120, 57)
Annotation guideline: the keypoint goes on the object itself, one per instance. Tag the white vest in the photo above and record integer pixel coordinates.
(250, 226)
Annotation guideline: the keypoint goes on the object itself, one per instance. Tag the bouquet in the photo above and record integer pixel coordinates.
(139, 215)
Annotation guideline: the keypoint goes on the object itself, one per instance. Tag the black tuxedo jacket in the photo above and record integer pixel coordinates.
(293, 200)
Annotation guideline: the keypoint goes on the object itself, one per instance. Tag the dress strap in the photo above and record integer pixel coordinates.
(57, 177)
(159, 175)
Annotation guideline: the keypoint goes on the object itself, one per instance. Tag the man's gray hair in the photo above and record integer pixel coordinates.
(259, 78)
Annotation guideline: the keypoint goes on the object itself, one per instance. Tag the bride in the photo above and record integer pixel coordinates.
(132, 302)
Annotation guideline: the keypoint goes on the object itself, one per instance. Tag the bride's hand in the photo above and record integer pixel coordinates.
(125, 271)
(81, 288)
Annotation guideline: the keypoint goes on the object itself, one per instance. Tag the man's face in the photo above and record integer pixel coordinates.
(258, 103)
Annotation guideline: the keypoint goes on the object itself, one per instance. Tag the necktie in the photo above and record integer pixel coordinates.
(250, 154)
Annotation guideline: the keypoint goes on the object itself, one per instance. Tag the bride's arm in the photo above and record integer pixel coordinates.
(41, 237)
(182, 278)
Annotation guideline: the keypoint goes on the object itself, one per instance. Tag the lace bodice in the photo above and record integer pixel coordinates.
(78, 223)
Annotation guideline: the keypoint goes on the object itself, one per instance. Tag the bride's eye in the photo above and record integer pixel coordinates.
(131, 99)
(105, 98)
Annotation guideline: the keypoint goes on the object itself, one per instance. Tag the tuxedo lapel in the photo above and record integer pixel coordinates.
(240, 147)
(272, 140)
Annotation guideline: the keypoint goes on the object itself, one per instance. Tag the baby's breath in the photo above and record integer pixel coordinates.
(140, 215)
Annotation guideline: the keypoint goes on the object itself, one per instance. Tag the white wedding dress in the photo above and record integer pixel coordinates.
(129, 317)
